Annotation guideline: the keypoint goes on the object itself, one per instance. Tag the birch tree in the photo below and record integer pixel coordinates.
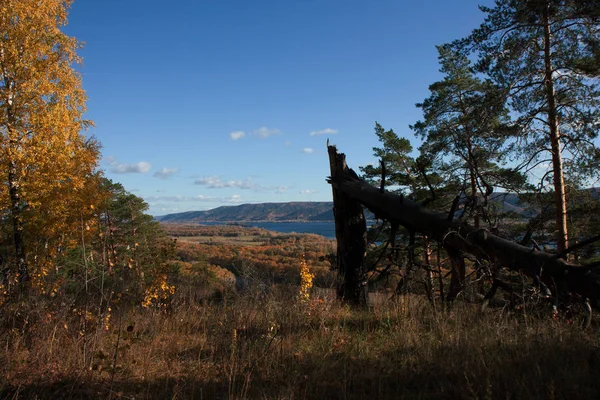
(43, 153)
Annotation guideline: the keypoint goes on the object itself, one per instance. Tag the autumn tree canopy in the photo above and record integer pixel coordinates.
(46, 163)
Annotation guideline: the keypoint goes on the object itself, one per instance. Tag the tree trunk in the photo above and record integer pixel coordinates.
(553, 271)
(16, 206)
(351, 235)
(457, 277)
(475, 200)
(17, 223)
(430, 282)
(560, 199)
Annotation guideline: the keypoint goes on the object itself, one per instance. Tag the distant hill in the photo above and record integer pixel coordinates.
(275, 212)
(297, 211)
(509, 203)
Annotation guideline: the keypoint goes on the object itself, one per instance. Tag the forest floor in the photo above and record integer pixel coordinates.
(274, 346)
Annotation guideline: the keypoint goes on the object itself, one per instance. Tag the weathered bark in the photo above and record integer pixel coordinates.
(457, 276)
(560, 199)
(351, 235)
(553, 271)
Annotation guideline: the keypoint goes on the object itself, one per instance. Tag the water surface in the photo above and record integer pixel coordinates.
(326, 228)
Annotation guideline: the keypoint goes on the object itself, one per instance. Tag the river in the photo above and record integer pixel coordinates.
(326, 229)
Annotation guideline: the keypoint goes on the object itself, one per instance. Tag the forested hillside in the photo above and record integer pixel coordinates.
(307, 211)
(296, 211)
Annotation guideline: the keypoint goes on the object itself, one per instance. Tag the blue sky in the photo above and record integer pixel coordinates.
(205, 103)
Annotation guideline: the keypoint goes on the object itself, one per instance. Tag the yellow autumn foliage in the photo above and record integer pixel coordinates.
(306, 281)
(49, 185)
(159, 293)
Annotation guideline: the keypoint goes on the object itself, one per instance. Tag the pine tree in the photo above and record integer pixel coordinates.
(395, 156)
(464, 129)
(531, 48)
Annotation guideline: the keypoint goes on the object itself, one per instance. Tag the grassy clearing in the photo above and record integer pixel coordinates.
(272, 346)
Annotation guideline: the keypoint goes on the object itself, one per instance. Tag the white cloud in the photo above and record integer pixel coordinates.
(214, 182)
(237, 135)
(326, 131)
(168, 210)
(166, 198)
(178, 199)
(307, 191)
(262, 132)
(201, 197)
(165, 173)
(543, 166)
(308, 150)
(136, 168)
(265, 132)
(539, 170)
(235, 199)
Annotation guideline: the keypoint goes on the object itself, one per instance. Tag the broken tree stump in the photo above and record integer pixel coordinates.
(350, 233)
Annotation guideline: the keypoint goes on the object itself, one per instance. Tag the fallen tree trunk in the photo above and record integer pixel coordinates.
(558, 274)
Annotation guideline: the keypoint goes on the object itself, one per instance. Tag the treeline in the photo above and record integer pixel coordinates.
(178, 230)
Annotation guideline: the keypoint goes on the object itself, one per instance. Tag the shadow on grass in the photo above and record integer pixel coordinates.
(566, 371)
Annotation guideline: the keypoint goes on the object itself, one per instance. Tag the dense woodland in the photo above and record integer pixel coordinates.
(100, 300)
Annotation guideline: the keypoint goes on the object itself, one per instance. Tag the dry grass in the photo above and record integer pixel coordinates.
(270, 346)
